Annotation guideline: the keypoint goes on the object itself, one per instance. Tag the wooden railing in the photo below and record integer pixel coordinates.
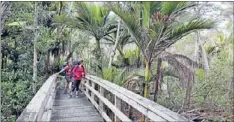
(40, 107)
(150, 109)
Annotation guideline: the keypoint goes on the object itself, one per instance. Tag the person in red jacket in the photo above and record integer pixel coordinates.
(67, 70)
(78, 73)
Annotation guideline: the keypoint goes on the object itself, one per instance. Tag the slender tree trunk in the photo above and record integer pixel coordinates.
(116, 44)
(35, 50)
(138, 57)
(147, 77)
(204, 55)
(196, 51)
(70, 55)
(99, 58)
(187, 96)
(168, 90)
(34, 68)
(158, 76)
(47, 63)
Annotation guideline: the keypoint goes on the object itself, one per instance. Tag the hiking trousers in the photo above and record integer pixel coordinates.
(75, 85)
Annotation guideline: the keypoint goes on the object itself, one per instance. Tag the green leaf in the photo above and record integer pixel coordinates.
(201, 74)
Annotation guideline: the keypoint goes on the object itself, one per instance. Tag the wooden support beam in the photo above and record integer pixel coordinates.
(118, 106)
(150, 109)
(110, 105)
(92, 94)
(101, 105)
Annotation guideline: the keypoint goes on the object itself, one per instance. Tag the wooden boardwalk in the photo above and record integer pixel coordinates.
(51, 104)
(73, 109)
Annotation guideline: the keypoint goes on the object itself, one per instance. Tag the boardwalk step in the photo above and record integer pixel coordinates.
(80, 119)
(74, 114)
(71, 102)
(73, 109)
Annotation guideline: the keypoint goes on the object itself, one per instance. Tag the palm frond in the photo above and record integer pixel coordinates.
(130, 18)
(185, 60)
(169, 7)
(176, 32)
(155, 6)
(184, 72)
(184, 29)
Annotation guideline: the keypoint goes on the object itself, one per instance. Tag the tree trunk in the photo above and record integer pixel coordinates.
(121, 52)
(47, 63)
(158, 76)
(138, 57)
(196, 51)
(99, 59)
(35, 50)
(116, 43)
(147, 77)
(204, 55)
(69, 56)
(187, 96)
(34, 68)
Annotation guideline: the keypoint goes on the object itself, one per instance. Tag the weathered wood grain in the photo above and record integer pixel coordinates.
(147, 107)
(36, 107)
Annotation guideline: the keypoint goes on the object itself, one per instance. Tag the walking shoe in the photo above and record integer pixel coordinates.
(70, 96)
(77, 96)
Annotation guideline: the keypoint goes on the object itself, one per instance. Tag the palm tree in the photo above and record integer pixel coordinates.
(160, 28)
(93, 19)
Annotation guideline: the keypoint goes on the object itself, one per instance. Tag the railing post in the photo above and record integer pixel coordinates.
(92, 94)
(117, 105)
(101, 105)
(86, 89)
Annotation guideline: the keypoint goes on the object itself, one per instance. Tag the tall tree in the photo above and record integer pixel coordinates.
(35, 48)
(160, 28)
(93, 19)
(116, 44)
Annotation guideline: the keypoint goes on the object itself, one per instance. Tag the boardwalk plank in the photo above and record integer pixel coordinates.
(74, 109)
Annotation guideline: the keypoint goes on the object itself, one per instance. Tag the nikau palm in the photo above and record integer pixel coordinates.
(158, 28)
(93, 19)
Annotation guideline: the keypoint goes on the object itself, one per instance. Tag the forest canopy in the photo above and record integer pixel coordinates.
(178, 54)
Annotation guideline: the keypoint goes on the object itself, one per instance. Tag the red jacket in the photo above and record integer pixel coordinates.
(78, 71)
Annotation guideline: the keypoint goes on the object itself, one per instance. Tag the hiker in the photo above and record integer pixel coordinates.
(67, 70)
(77, 73)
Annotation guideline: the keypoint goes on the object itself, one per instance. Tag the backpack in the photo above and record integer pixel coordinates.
(63, 73)
(73, 68)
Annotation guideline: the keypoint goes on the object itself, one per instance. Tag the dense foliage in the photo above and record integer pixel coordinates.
(174, 53)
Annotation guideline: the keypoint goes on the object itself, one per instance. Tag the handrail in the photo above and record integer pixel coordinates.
(150, 109)
(39, 108)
